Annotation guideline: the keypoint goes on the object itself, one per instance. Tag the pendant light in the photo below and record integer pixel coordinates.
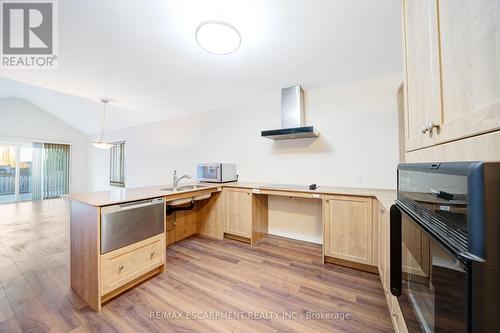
(100, 143)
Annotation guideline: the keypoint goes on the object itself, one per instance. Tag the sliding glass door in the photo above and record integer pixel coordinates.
(25, 173)
(8, 171)
(33, 171)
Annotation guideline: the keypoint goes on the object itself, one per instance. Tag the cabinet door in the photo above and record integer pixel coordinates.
(422, 85)
(348, 233)
(238, 211)
(470, 67)
(383, 251)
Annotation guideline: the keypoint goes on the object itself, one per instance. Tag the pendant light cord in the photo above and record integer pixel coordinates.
(103, 124)
(105, 102)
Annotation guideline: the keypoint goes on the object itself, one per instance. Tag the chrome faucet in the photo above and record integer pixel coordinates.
(176, 180)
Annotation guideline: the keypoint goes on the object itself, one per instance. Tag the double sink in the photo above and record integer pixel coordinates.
(184, 188)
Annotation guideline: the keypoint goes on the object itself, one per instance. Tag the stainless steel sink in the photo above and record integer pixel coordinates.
(191, 187)
(184, 188)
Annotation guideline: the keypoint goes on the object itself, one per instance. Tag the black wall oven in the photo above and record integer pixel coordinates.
(445, 246)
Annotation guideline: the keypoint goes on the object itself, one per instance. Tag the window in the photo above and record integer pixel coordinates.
(33, 171)
(117, 164)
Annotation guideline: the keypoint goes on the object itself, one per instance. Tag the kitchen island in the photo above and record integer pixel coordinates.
(351, 228)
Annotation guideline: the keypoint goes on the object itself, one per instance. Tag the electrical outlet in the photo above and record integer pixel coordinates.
(358, 179)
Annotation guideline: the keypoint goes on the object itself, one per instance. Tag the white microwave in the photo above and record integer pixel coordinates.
(216, 172)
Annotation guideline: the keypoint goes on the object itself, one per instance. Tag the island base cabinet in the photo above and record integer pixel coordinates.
(97, 277)
(125, 265)
(348, 231)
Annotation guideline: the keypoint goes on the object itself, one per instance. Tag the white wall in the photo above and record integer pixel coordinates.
(358, 145)
(22, 120)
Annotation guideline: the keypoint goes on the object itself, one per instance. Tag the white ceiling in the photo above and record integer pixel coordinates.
(143, 54)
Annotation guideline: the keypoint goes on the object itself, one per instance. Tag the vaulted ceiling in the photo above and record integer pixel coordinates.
(143, 54)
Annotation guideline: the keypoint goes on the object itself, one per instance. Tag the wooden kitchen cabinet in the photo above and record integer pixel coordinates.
(122, 266)
(238, 212)
(210, 213)
(452, 70)
(383, 246)
(422, 70)
(96, 277)
(398, 321)
(245, 214)
(348, 234)
(181, 224)
(470, 67)
(383, 217)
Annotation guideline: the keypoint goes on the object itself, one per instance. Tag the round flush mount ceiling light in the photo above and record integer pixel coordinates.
(218, 37)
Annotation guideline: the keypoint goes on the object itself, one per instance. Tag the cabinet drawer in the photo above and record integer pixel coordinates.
(124, 265)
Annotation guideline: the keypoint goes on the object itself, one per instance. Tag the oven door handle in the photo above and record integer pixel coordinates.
(396, 271)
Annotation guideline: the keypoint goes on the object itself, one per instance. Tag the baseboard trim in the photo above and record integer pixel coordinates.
(238, 238)
(351, 264)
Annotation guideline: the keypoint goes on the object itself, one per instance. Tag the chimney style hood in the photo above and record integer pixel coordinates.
(292, 117)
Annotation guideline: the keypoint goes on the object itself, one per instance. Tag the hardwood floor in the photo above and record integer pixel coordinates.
(205, 279)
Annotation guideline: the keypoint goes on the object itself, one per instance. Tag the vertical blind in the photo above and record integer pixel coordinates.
(37, 171)
(55, 170)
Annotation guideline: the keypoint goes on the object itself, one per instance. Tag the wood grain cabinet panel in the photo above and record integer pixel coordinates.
(238, 212)
(397, 316)
(122, 266)
(469, 34)
(383, 246)
(181, 224)
(245, 214)
(349, 228)
(384, 267)
(210, 214)
(422, 73)
(451, 70)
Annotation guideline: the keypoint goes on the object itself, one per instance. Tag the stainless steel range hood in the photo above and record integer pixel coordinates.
(292, 117)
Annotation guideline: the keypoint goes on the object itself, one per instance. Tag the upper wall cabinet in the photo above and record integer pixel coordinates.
(470, 67)
(422, 70)
(452, 52)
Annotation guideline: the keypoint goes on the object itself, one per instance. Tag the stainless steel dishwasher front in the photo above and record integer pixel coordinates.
(129, 223)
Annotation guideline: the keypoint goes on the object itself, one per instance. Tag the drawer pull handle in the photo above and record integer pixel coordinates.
(152, 254)
(121, 267)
